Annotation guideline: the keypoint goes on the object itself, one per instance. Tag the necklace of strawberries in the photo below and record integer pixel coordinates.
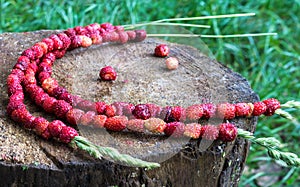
(32, 74)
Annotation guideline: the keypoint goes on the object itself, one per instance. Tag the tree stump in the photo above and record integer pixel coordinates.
(28, 160)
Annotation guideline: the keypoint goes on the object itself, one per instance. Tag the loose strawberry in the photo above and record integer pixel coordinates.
(272, 105)
(155, 125)
(242, 109)
(227, 132)
(172, 63)
(226, 111)
(136, 125)
(108, 73)
(161, 50)
(192, 130)
(259, 108)
(175, 129)
(209, 132)
(116, 123)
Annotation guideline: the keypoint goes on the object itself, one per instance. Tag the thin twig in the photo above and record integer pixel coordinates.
(213, 36)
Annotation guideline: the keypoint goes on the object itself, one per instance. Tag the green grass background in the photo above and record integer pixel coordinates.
(271, 64)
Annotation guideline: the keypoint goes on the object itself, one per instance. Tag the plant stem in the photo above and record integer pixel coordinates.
(213, 36)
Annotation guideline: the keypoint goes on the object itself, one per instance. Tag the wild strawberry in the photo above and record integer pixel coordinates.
(70, 32)
(108, 27)
(57, 43)
(50, 43)
(209, 110)
(18, 96)
(40, 98)
(29, 79)
(87, 118)
(28, 121)
(73, 116)
(259, 108)
(177, 114)
(66, 97)
(242, 109)
(140, 35)
(161, 50)
(76, 41)
(76, 100)
(118, 28)
(123, 108)
(175, 129)
(65, 39)
(194, 112)
(12, 89)
(131, 35)
(43, 46)
(136, 125)
(55, 128)
(46, 134)
(40, 124)
(67, 134)
(96, 38)
(58, 91)
(250, 110)
(141, 111)
(209, 132)
(116, 123)
(165, 113)
(110, 37)
(38, 51)
(100, 107)
(85, 41)
(18, 73)
(172, 63)
(99, 121)
(19, 115)
(48, 104)
(29, 53)
(80, 30)
(49, 84)
(227, 132)
(24, 59)
(44, 67)
(154, 109)
(155, 125)
(123, 37)
(61, 108)
(272, 105)
(110, 111)
(14, 105)
(192, 130)
(108, 73)
(21, 65)
(59, 53)
(226, 111)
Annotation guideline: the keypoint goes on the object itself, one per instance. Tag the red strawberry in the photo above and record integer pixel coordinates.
(209, 110)
(177, 114)
(20, 115)
(141, 111)
(242, 109)
(40, 98)
(227, 132)
(108, 73)
(123, 37)
(100, 107)
(14, 105)
(87, 105)
(154, 109)
(57, 43)
(73, 116)
(55, 128)
(61, 108)
(40, 124)
(259, 108)
(226, 111)
(66, 97)
(131, 35)
(87, 118)
(18, 96)
(175, 129)
(155, 125)
(116, 123)
(99, 121)
(123, 108)
(29, 53)
(272, 105)
(209, 132)
(44, 47)
(67, 134)
(48, 104)
(166, 113)
(194, 112)
(49, 42)
(192, 130)
(49, 84)
(65, 39)
(109, 111)
(136, 125)
(38, 51)
(85, 41)
(161, 50)
(140, 35)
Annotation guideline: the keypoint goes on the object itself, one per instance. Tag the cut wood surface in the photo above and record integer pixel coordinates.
(26, 159)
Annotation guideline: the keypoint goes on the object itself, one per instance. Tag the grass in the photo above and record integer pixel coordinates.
(271, 64)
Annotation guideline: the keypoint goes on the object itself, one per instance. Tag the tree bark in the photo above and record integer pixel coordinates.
(142, 78)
